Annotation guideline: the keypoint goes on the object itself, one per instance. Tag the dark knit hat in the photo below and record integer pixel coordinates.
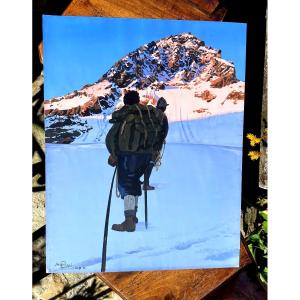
(131, 97)
(162, 103)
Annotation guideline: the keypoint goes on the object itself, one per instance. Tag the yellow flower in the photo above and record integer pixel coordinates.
(253, 139)
(254, 155)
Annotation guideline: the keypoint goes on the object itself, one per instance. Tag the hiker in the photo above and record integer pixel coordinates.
(161, 105)
(131, 141)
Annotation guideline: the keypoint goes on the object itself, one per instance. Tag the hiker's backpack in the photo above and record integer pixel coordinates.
(139, 128)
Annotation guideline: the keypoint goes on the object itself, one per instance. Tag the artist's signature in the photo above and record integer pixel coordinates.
(64, 265)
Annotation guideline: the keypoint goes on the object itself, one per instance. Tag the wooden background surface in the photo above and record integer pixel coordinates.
(165, 9)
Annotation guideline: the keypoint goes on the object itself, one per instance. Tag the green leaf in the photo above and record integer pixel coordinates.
(254, 237)
(265, 226)
(263, 247)
(263, 278)
(264, 214)
(250, 247)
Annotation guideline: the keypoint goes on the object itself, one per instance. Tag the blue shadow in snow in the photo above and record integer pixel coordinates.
(224, 255)
(188, 244)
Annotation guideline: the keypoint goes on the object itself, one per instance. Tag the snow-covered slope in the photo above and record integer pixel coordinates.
(194, 213)
(179, 67)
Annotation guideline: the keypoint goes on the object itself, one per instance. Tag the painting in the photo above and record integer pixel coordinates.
(144, 132)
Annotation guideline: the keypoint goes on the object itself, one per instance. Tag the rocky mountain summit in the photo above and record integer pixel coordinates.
(181, 61)
(177, 59)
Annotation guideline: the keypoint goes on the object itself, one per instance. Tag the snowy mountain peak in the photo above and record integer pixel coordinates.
(174, 60)
(158, 63)
(182, 61)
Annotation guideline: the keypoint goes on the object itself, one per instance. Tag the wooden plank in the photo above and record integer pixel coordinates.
(207, 6)
(176, 284)
(167, 9)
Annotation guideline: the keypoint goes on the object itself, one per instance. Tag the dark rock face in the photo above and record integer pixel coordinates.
(65, 129)
(159, 61)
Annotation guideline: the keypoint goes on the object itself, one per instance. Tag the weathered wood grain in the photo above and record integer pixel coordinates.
(176, 284)
(166, 9)
(207, 6)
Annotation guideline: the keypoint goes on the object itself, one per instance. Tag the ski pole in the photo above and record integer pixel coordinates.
(146, 208)
(104, 247)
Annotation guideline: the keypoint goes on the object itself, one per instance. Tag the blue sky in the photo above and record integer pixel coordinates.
(79, 50)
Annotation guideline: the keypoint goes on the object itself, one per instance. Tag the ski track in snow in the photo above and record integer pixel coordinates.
(223, 131)
(194, 213)
(181, 113)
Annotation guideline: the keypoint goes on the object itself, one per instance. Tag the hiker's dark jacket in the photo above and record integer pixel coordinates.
(127, 119)
(128, 141)
(165, 129)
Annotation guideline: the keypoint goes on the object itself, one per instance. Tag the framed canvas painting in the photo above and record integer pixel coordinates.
(144, 135)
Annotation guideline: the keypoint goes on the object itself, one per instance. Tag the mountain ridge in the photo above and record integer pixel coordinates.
(174, 60)
(180, 61)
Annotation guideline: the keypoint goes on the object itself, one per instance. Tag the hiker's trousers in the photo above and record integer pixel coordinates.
(131, 166)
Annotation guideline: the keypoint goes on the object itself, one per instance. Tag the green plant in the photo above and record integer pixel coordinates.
(257, 242)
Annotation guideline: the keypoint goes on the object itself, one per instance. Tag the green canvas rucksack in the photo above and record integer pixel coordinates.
(139, 128)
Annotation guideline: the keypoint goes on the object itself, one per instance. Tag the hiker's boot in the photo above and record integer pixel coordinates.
(148, 187)
(128, 225)
(130, 214)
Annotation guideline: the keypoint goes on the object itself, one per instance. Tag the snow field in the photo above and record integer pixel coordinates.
(194, 213)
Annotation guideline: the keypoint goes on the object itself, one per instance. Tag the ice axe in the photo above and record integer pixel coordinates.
(146, 208)
(104, 247)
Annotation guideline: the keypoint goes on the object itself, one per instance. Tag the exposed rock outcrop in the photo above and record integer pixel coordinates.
(206, 95)
(235, 95)
(64, 129)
